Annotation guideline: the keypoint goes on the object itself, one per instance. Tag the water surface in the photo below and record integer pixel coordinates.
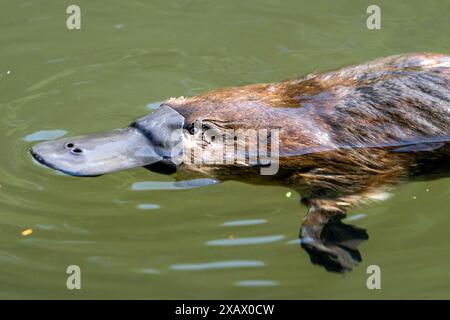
(137, 234)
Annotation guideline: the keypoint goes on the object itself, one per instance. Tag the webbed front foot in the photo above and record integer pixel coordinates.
(333, 245)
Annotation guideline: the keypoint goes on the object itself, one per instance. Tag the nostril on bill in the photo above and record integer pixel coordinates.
(69, 145)
(77, 151)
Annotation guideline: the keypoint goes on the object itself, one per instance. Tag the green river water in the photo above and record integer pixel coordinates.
(137, 234)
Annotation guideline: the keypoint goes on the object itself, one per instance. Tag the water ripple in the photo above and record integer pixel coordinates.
(245, 241)
(355, 217)
(257, 283)
(148, 206)
(177, 185)
(236, 223)
(218, 265)
(148, 271)
(44, 135)
(153, 105)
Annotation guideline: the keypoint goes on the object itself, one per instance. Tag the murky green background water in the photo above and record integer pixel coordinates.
(160, 242)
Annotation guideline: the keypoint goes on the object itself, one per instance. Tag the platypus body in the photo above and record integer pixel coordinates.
(342, 138)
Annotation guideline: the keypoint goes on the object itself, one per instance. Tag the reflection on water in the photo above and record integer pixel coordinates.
(218, 265)
(45, 135)
(355, 217)
(148, 271)
(294, 241)
(245, 241)
(148, 206)
(177, 185)
(237, 223)
(105, 76)
(153, 105)
(257, 283)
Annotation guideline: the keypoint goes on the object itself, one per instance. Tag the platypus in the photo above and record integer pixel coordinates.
(339, 139)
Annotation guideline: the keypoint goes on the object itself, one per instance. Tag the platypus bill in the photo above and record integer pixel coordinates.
(344, 137)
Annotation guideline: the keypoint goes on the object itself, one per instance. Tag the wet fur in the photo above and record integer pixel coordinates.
(342, 132)
(346, 137)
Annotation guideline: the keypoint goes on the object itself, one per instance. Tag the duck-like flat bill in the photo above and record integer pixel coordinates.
(146, 141)
(97, 154)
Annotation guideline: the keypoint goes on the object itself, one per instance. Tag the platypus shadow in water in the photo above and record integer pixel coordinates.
(339, 139)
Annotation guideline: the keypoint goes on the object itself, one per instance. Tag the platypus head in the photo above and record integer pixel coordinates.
(221, 128)
(147, 141)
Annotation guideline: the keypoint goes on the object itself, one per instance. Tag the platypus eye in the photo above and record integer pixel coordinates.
(193, 126)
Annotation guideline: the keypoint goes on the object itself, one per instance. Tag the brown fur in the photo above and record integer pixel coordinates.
(344, 135)
(337, 128)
